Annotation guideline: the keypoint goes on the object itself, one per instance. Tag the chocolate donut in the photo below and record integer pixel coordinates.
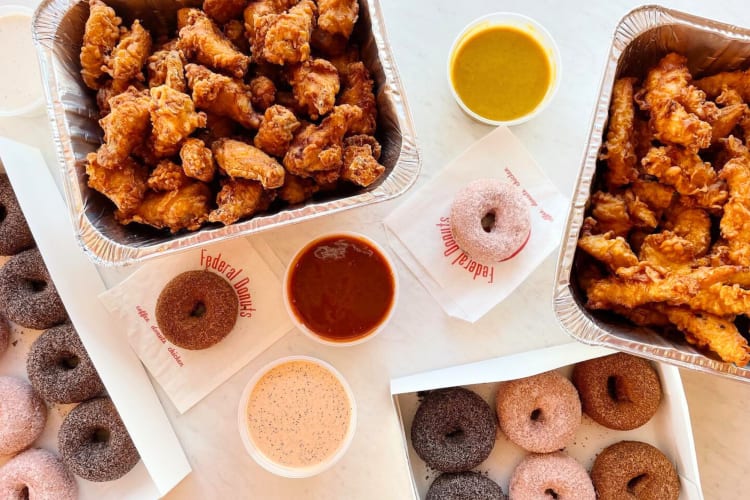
(15, 234)
(4, 334)
(631, 469)
(27, 295)
(552, 475)
(60, 369)
(490, 220)
(36, 475)
(453, 430)
(541, 413)
(23, 415)
(197, 309)
(94, 442)
(459, 485)
(620, 391)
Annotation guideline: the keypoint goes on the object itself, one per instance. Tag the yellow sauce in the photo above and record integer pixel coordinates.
(500, 72)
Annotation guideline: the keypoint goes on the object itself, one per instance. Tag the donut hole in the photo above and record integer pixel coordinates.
(198, 310)
(3, 212)
(100, 435)
(68, 361)
(551, 493)
(615, 389)
(633, 483)
(536, 415)
(488, 221)
(36, 286)
(23, 494)
(454, 435)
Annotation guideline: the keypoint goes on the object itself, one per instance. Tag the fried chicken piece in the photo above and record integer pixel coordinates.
(735, 223)
(668, 251)
(264, 92)
(738, 81)
(357, 90)
(338, 16)
(284, 38)
(173, 118)
(166, 67)
(110, 89)
(646, 315)
(361, 154)
(239, 198)
(641, 215)
(124, 127)
(100, 37)
(718, 334)
(611, 213)
(693, 224)
(223, 11)
(315, 84)
(728, 118)
(167, 176)
(681, 168)
(238, 159)
(222, 95)
(203, 41)
(234, 30)
(678, 110)
(184, 208)
(127, 59)
(613, 251)
(620, 148)
(276, 131)
(124, 183)
(217, 127)
(297, 189)
(258, 8)
(319, 148)
(197, 160)
(654, 194)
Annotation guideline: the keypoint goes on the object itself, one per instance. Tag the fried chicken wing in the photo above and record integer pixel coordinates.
(129, 56)
(315, 84)
(264, 92)
(361, 154)
(100, 37)
(297, 189)
(184, 208)
(203, 41)
(238, 159)
(124, 184)
(357, 91)
(284, 38)
(166, 67)
(738, 81)
(173, 118)
(124, 127)
(223, 11)
(338, 16)
(276, 131)
(222, 95)
(197, 160)
(238, 199)
(167, 176)
(620, 147)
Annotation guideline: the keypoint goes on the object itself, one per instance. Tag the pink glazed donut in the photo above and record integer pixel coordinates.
(23, 415)
(37, 475)
(554, 475)
(490, 220)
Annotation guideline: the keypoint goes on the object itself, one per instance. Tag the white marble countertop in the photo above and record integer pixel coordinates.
(421, 337)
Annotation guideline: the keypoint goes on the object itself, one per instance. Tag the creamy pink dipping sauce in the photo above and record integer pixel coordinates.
(298, 414)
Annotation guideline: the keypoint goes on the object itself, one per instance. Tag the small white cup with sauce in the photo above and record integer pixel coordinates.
(495, 87)
(276, 419)
(22, 94)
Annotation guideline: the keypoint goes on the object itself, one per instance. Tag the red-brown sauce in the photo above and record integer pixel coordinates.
(341, 288)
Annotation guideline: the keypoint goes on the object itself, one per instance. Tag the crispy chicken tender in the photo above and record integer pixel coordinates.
(173, 118)
(297, 189)
(124, 183)
(222, 95)
(357, 90)
(238, 159)
(264, 92)
(166, 67)
(681, 168)
(167, 176)
(611, 213)
(738, 81)
(668, 251)
(197, 160)
(223, 11)
(203, 41)
(239, 198)
(284, 38)
(361, 154)
(613, 251)
(620, 155)
(693, 224)
(315, 84)
(319, 148)
(127, 59)
(183, 208)
(100, 37)
(735, 223)
(124, 127)
(276, 131)
(338, 16)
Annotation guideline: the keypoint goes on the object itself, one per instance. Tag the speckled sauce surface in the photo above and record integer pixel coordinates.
(298, 414)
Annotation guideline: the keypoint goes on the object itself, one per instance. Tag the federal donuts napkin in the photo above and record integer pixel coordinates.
(467, 289)
(188, 376)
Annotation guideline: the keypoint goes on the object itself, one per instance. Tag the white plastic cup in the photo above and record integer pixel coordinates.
(526, 25)
(310, 333)
(284, 470)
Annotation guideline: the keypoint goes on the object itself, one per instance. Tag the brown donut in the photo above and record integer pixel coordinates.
(620, 391)
(15, 234)
(197, 309)
(631, 469)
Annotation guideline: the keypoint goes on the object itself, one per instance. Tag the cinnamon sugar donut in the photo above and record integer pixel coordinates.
(458, 485)
(23, 415)
(490, 220)
(540, 413)
(15, 234)
(37, 475)
(552, 475)
(620, 391)
(197, 309)
(631, 469)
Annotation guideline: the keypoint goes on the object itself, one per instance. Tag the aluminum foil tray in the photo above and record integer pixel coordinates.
(58, 30)
(641, 38)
